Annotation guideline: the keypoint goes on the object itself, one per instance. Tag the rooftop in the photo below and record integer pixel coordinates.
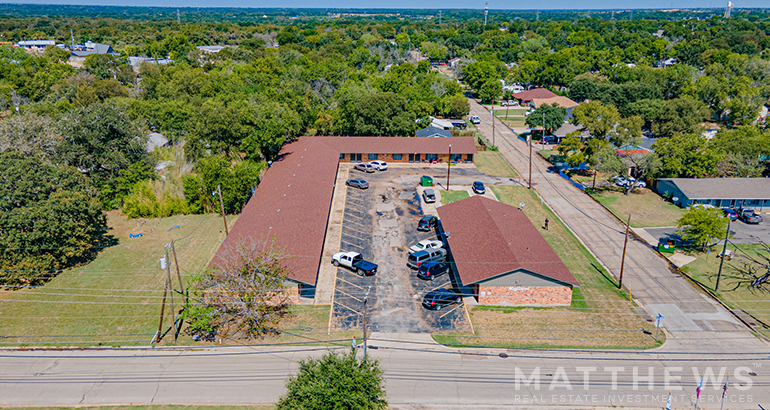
(488, 238)
(536, 93)
(723, 188)
(293, 200)
(559, 100)
(432, 132)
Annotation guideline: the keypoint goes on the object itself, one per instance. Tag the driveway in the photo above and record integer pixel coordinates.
(381, 224)
(741, 232)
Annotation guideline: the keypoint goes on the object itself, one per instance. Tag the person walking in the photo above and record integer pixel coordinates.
(546, 224)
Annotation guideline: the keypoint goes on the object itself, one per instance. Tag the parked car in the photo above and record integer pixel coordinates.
(749, 216)
(426, 244)
(478, 187)
(436, 299)
(701, 206)
(429, 196)
(427, 223)
(431, 255)
(619, 180)
(475, 119)
(730, 213)
(509, 103)
(365, 167)
(432, 270)
(379, 165)
(355, 262)
(357, 183)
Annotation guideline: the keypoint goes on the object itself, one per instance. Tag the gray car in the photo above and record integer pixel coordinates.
(429, 196)
(357, 183)
(365, 167)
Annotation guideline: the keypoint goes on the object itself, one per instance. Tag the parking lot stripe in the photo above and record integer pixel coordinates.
(450, 311)
(349, 283)
(349, 295)
(351, 309)
(350, 244)
(440, 286)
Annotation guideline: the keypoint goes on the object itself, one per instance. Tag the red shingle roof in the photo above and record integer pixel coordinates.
(293, 200)
(488, 238)
(536, 93)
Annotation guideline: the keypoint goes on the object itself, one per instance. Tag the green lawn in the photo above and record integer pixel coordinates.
(647, 208)
(116, 298)
(159, 407)
(552, 156)
(493, 163)
(447, 197)
(704, 269)
(601, 316)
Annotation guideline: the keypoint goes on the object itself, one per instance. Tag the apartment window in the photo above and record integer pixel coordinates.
(372, 156)
(397, 156)
(342, 156)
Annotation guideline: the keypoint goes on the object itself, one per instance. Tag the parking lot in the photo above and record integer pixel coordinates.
(381, 224)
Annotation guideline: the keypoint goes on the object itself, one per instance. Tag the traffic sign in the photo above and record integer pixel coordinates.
(658, 320)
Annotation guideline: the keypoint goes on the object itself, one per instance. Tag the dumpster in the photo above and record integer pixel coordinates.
(426, 181)
(666, 245)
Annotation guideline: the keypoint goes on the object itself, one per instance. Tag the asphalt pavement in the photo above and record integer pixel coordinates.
(692, 320)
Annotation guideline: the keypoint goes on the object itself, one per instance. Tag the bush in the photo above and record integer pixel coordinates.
(155, 198)
(335, 381)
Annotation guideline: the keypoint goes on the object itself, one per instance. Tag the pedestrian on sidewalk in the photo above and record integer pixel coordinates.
(353, 346)
(546, 224)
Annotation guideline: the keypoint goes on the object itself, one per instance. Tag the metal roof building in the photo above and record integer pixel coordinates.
(720, 192)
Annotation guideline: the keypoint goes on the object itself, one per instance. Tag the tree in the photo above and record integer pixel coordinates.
(551, 115)
(702, 225)
(378, 114)
(31, 134)
(335, 381)
(490, 90)
(685, 156)
(242, 292)
(680, 116)
(50, 216)
(236, 180)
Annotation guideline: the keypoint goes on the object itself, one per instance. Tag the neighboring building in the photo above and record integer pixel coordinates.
(627, 150)
(433, 132)
(439, 123)
(35, 44)
(155, 140)
(454, 62)
(514, 88)
(212, 49)
(567, 128)
(559, 100)
(293, 200)
(720, 192)
(527, 96)
(501, 257)
(81, 51)
(135, 62)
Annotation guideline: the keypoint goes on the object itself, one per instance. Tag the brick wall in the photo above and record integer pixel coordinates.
(404, 157)
(525, 295)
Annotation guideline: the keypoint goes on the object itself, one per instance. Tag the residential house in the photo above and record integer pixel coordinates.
(719, 192)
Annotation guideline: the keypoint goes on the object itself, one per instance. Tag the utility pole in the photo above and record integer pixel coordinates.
(529, 139)
(222, 205)
(542, 139)
(366, 297)
(448, 167)
(724, 254)
(623, 259)
(492, 111)
(162, 310)
(176, 263)
(171, 291)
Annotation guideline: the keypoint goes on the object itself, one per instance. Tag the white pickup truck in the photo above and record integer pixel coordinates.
(354, 261)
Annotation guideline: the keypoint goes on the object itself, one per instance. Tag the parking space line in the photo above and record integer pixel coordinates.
(349, 295)
(351, 244)
(354, 232)
(440, 286)
(350, 283)
(453, 309)
(351, 309)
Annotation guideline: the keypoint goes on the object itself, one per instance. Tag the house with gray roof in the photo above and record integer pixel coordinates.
(433, 132)
(719, 192)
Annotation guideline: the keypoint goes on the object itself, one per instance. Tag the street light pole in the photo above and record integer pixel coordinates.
(448, 166)
(724, 254)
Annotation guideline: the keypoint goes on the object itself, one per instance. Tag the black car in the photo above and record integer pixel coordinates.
(431, 270)
(357, 183)
(427, 223)
(478, 187)
(436, 299)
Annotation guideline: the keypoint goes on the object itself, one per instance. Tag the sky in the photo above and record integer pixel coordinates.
(425, 4)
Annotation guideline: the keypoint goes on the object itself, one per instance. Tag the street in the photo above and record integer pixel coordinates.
(418, 373)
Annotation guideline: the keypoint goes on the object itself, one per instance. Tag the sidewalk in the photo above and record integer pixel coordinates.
(692, 320)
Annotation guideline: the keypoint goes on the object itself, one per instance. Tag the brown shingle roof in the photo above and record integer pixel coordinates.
(561, 101)
(536, 93)
(293, 200)
(488, 238)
